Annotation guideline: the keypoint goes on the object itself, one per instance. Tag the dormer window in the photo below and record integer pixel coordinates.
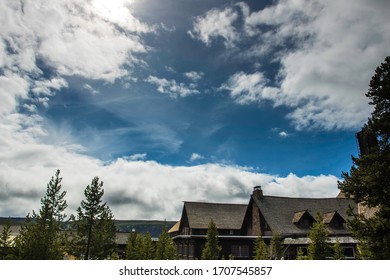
(303, 219)
(334, 220)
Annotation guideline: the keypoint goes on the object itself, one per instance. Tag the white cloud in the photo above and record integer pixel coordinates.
(216, 24)
(333, 50)
(172, 88)
(194, 76)
(195, 157)
(119, 12)
(135, 189)
(284, 134)
(73, 37)
(248, 88)
(90, 89)
(136, 157)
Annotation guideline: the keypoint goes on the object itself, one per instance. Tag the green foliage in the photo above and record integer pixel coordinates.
(95, 238)
(148, 248)
(368, 180)
(260, 249)
(319, 247)
(212, 248)
(6, 246)
(134, 246)
(338, 252)
(41, 235)
(301, 255)
(276, 249)
(140, 247)
(165, 248)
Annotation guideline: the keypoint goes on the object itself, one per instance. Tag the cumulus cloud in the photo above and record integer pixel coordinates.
(172, 88)
(319, 77)
(248, 88)
(138, 189)
(216, 24)
(74, 38)
(284, 134)
(195, 157)
(136, 157)
(194, 76)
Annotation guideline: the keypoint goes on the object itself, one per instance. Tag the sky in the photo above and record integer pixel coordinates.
(172, 101)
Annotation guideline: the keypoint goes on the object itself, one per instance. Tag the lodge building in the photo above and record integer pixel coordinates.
(239, 225)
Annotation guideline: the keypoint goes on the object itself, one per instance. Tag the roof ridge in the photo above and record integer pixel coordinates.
(313, 198)
(216, 203)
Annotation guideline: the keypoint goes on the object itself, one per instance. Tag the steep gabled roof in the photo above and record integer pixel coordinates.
(298, 216)
(281, 212)
(225, 216)
(328, 217)
(175, 228)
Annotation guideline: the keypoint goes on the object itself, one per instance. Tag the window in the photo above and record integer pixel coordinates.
(186, 231)
(180, 249)
(191, 251)
(349, 252)
(240, 251)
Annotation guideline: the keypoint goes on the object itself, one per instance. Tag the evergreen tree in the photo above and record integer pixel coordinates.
(301, 255)
(6, 247)
(212, 248)
(94, 225)
(368, 180)
(134, 247)
(338, 252)
(319, 247)
(260, 249)
(148, 248)
(41, 236)
(276, 246)
(165, 248)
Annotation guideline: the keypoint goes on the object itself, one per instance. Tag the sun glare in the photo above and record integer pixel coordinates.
(113, 10)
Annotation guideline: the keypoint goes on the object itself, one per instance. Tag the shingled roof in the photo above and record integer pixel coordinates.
(225, 216)
(280, 212)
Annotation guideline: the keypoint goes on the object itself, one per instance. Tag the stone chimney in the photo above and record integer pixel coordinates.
(257, 192)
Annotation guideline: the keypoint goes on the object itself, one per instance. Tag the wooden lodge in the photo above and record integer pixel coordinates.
(240, 225)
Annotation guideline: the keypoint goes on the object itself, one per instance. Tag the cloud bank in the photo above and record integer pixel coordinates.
(140, 189)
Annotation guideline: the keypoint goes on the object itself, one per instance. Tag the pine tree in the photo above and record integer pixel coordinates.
(212, 248)
(6, 247)
(368, 180)
(301, 255)
(165, 248)
(41, 236)
(276, 249)
(260, 249)
(134, 247)
(338, 252)
(94, 225)
(319, 247)
(148, 248)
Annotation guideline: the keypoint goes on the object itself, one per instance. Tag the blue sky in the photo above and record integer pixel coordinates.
(168, 101)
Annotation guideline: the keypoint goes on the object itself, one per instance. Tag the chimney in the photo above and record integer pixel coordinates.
(257, 192)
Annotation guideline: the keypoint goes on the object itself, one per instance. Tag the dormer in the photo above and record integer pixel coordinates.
(334, 220)
(303, 219)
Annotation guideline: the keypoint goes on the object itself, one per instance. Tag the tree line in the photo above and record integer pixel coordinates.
(90, 234)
